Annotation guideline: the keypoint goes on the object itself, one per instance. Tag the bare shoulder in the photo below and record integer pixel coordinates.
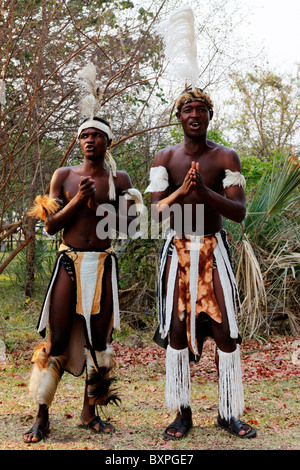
(61, 173)
(123, 180)
(164, 156)
(227, 157)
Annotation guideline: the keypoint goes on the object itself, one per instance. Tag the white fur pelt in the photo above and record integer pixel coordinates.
(231, 393)
(44, 380)
(178, 382)
(233, 178)
(178, 32)
(159, 179)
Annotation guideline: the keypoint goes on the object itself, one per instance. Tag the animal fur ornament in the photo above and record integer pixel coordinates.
(179, 36)
(99, 377)
(44, 206)
(89, 107)
(45, 376)
(195, 94)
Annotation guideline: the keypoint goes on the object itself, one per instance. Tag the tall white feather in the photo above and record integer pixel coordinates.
(179, 36)
(2, 92)
(91, 103)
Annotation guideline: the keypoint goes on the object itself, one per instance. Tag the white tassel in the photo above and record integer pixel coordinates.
(195, 246)
(178, 388)
(180, 45)
(231, 393)
(112, 174)
(112, 188)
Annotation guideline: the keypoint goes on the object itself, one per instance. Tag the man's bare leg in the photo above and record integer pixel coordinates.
(60, 327)
(101, 333)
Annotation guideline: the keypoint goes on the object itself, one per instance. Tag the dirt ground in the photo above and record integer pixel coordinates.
(271, 384)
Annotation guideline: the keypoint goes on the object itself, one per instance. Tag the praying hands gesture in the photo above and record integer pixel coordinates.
(198, 184)
(193, 181)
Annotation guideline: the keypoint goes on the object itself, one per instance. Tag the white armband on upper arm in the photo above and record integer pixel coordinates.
(133, 194)
(159, 180)
(233, 178)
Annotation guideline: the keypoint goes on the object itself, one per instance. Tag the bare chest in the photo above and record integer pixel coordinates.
(210, 169)
(101, 184)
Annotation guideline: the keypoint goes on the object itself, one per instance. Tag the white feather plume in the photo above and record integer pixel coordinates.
(91, 103)
(178, 32)
(2, 92)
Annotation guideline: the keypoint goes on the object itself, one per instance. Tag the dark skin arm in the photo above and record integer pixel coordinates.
(232, 206)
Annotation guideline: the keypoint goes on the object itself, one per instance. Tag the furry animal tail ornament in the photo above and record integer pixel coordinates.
(46, 374)
(178, 32)
(99, 377)
(44, 206)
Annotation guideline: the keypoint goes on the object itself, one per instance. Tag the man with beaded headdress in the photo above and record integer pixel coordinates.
(197, 293)
(81, 304)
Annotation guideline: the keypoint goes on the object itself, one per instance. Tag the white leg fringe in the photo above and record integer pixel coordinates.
(178, 386)
(231, 393)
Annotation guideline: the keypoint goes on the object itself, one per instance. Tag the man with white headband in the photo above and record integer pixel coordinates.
(81, 304)
(197, 294)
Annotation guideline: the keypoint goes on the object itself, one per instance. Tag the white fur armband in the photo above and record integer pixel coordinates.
(133, 194)
(159, 180)
(233, 178)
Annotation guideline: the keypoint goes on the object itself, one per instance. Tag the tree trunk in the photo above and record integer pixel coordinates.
(35, 158)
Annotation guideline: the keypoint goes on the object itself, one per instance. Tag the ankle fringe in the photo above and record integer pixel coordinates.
(178, 385)
(231, 393)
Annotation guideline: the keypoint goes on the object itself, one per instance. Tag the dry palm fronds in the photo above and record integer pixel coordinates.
(250, 282)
